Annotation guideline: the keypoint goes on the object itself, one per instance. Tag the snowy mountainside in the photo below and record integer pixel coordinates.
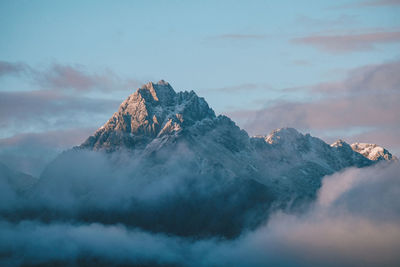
(155, 119)
(296, 163)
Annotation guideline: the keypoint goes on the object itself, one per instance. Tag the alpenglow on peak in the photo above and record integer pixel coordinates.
(153, 110)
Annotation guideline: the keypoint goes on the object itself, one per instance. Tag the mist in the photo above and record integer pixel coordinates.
(163, 193)
(100, 212)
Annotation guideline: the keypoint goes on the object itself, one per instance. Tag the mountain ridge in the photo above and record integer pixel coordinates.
(286, 160)
(156, 110)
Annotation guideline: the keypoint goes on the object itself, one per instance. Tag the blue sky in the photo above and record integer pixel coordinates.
(187, 42)
(244, 57)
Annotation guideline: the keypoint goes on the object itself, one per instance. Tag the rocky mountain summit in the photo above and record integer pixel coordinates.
(373, 152)
(153, 111)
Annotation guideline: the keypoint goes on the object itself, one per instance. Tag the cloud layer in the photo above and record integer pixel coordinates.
(354, 222)
(31, 152)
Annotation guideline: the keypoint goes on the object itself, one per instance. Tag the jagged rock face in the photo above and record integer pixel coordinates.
(153, 111)
(373, 152)
(347, 154)
(287, 145)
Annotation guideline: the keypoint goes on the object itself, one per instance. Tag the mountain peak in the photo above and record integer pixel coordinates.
(283, 135)
(161, 91)
(162, 82)
(153, 111)
(340, 143)
(370, 151)
(373, 152)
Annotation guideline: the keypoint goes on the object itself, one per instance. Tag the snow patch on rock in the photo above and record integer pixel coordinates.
(373, 152)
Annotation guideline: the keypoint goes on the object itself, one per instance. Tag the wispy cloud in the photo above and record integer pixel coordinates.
(369, 3)
(301, 62)
(239, 36)
(376, 3)
(348, 42)
(65, 77)
(343, 20)
(9, 68)
(50, 110)
(245, 87)
(68, 77)
(56, 139)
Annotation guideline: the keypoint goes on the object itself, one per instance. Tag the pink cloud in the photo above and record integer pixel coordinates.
(8, 68)
(68, 77)
(61, 76)
(240, 36)
(349, 42)
(380, 3)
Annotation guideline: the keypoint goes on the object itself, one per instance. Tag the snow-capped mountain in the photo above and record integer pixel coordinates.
(155, 119)
(155, 114)
(165, 145)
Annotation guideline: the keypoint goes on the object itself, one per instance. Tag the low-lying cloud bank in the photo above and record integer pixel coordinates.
(31, 152)
(355, 222)
(166, 194)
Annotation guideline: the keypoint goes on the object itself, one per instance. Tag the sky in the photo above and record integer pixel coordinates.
(330, 68)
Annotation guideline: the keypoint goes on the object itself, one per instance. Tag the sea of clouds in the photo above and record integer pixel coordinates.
(355, 221)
